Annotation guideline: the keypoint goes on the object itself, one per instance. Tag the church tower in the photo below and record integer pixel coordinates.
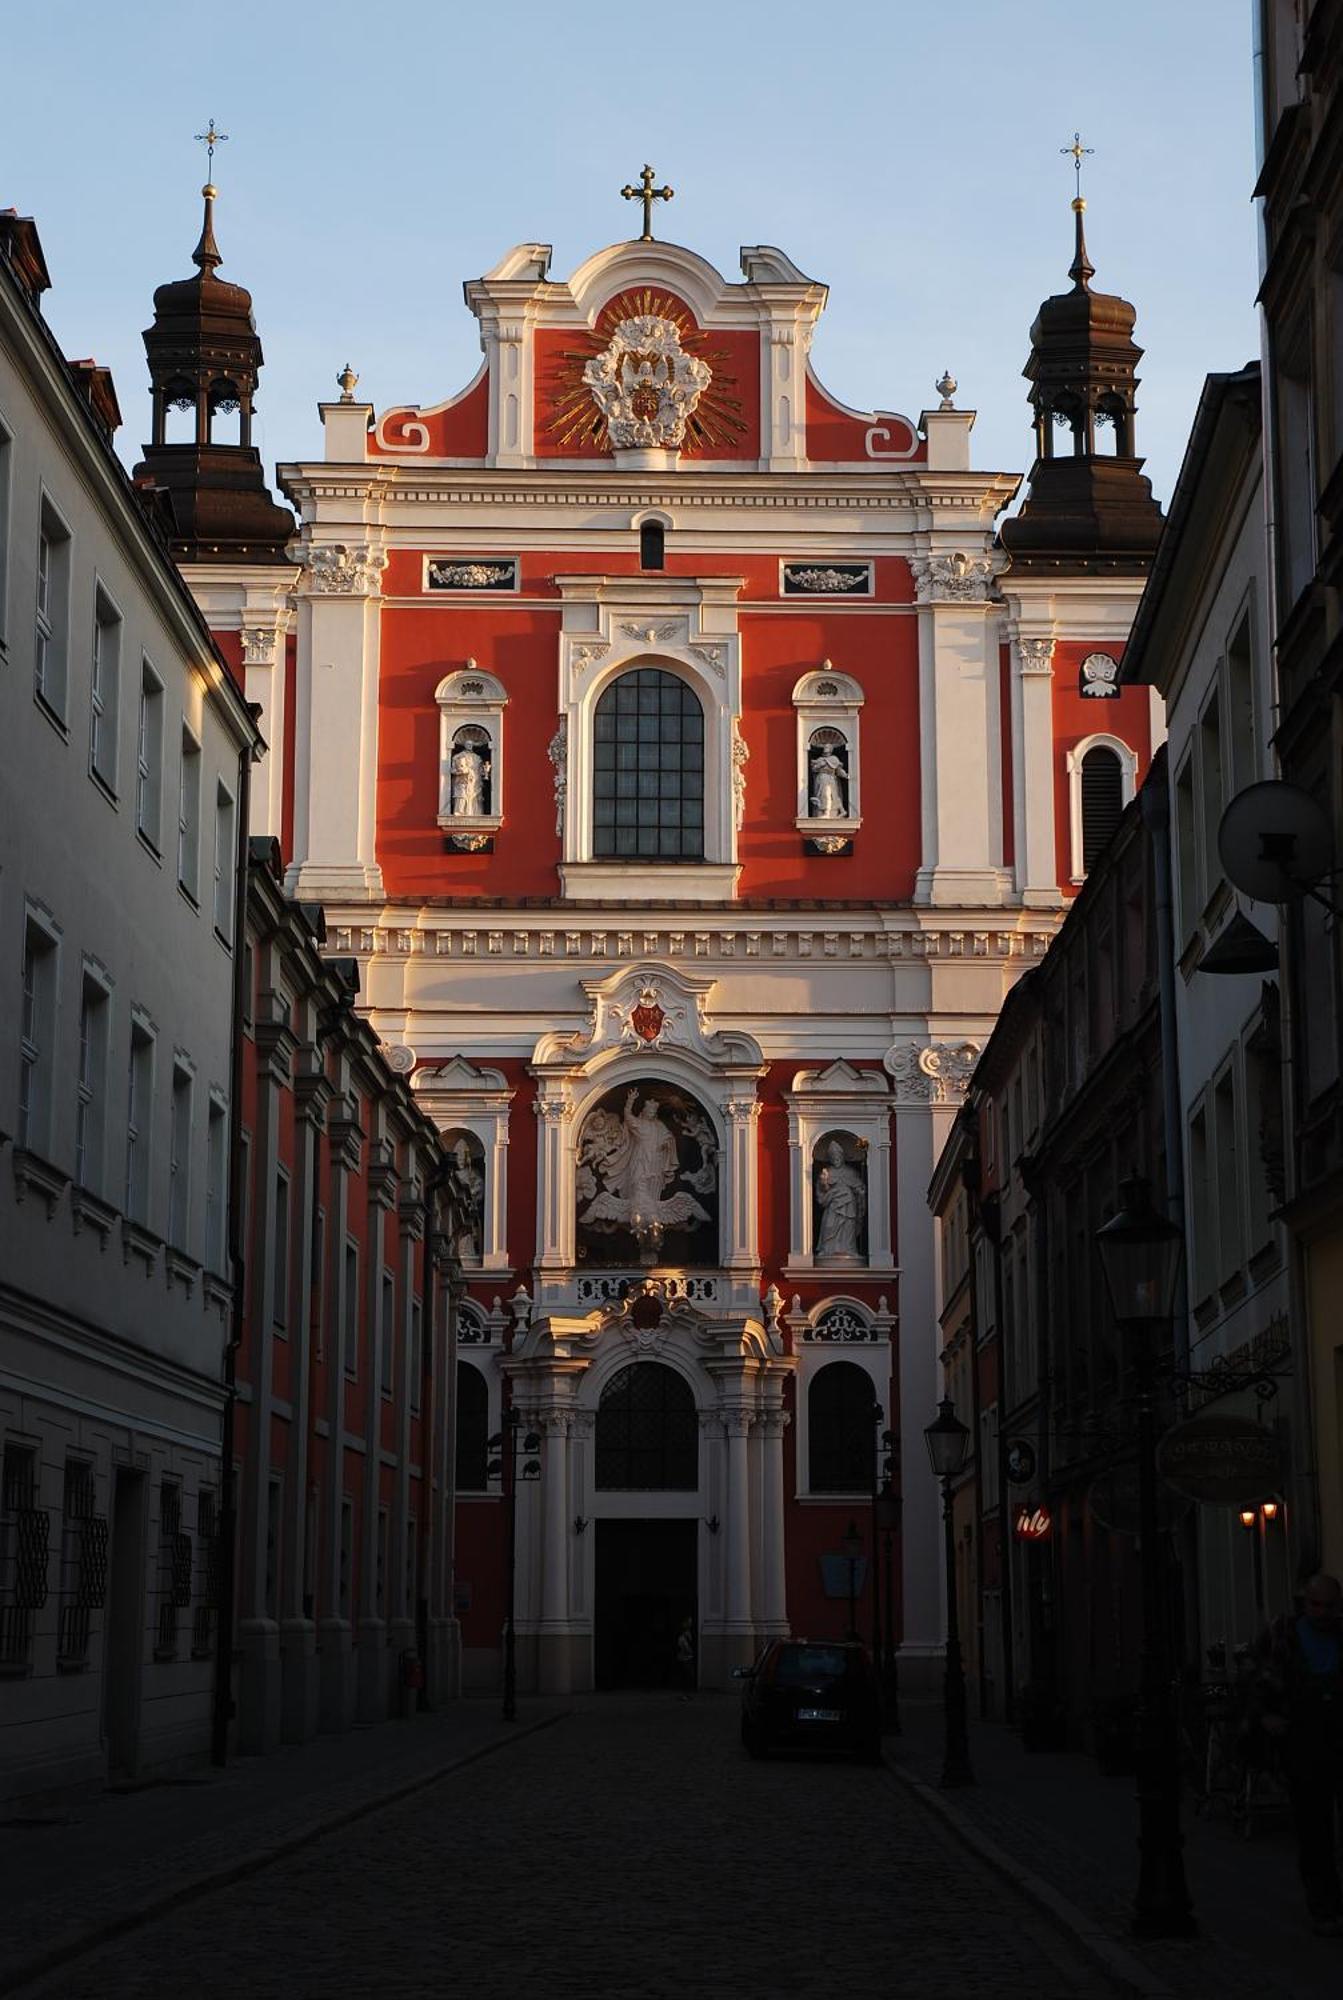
(1078, 553)
(209, 488)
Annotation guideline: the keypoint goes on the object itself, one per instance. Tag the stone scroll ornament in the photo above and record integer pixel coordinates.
(931, 1072)
(646, 380)
(338, 570)
(956, 578)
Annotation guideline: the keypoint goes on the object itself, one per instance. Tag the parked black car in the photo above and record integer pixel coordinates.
(812, 1694)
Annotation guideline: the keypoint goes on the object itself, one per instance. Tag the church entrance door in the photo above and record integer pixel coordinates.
(646, 1574)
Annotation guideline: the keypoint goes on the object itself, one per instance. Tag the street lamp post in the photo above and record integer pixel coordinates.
(947, 1439)
(511, 1443)
(853, 1546)
(1140, 1256)
(885, 1521)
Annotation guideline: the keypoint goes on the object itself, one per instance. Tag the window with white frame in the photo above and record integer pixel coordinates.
(149, 757)
(51, 657)
(1102, 778)
(37, 1031)
(139, 1117)
(1211, 790)
(95, 1011)
(225, 863)
(189, 815)
(1229, 1156)
(216, 1185)
(471, 707)
(842, 1430)
(104, 690)
(1240, 700)
(648, 769)
(829, 805)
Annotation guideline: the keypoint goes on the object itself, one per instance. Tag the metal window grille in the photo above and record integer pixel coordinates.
(25, 1531)
(207, 1575)
(647, 1431)
(842, 1436)
(648, 769)
(84, 1541)
(473, 1429)
(175, 1562)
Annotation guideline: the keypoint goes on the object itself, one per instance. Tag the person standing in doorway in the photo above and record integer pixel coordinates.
(1300, 1704)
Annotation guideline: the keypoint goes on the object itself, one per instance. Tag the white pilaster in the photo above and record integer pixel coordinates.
(959, 733)
(336, 723)
(1033, 780)
(555, 1504)
(774, 1589)
(741, 1207)
(737, 1428)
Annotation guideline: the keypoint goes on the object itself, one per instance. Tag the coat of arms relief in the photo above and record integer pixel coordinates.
(645, 384)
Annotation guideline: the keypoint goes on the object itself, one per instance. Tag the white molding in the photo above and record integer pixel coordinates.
(470, 698)
(839, 1098)
(817, 709)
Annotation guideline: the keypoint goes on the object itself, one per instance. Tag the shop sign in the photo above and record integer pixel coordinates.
(1033, 1524)
(1228, 1461)
(1020, 1461)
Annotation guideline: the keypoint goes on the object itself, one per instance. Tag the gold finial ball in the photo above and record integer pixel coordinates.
(346, 382)
(210, 191)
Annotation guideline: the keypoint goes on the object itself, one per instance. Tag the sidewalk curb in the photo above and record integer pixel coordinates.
(1085, 1932)
(107, 1932)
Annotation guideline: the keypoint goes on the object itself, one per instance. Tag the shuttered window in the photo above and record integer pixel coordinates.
(1102, 802)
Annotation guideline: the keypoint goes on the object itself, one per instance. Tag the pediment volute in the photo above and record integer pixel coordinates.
(647, 1009)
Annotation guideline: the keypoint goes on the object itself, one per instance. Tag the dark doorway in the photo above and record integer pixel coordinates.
(125, 1625)
(645, 1592)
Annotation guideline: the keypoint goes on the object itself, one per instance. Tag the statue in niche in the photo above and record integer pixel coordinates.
(468, 772)
(466, 1199)
(630, 1163)
(829, 776)
(841, 1206)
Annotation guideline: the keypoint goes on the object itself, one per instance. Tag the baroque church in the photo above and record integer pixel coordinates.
(691, 764)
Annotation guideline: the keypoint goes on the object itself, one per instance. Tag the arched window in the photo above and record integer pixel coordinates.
(473, 1429)
(841, 1430)
(647, 1432)
(652, 545)
(1102, 802)
(648, 770)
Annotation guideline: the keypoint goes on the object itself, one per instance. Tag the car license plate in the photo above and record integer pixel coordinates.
(818, 1715)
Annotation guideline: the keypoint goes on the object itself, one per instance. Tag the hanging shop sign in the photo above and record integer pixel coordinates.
(1226, 1461)
(1033, 1524)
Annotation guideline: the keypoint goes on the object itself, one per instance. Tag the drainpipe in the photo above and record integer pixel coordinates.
(222, 1705)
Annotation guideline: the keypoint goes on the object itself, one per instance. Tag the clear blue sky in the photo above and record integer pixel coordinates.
(906, 155)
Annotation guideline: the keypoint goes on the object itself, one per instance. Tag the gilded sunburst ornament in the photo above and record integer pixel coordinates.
(646, 377)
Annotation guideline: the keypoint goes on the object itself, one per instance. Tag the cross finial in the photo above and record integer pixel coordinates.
(1077, 152)
(210, 138)
(647, 194)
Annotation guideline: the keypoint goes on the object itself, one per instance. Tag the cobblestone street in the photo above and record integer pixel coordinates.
(632, 1850)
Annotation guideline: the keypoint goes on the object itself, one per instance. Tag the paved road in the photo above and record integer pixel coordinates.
(633, 1851)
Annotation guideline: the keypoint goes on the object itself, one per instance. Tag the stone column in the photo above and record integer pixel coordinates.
(741, 1252)
(1034, 787)
(554, 1213)
(737, 1622)
(774, 1586)
(958, 730)
(553, 1662)
(336, 723)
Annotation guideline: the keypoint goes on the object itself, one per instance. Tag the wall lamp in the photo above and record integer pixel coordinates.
(580, 1523)
(712, 1524)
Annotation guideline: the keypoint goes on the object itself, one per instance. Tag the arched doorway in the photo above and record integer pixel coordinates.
(647, 1444)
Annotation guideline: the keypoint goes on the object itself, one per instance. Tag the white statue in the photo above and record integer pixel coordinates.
(635, 1159)
(468, 770)
(829, 782)
(841, 1196)
(466, 1200)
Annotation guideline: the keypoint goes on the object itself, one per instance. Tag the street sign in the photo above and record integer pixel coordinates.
(1228, 1461)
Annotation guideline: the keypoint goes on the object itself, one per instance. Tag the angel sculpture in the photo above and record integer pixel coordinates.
(637, 1171)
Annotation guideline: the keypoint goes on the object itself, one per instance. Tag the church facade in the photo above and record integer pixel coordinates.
(691, 767)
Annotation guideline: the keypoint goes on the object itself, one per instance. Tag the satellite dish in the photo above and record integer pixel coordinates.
(1274, 841)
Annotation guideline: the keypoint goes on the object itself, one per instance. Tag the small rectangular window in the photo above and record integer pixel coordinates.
(1211, 792)
(224, 863)
(51, 657)
(1186, 851)
(91, 1084)
(1230, 1224)
(189, 815)
(104, 690)
(179, 1159)
(139, 1115)
(1200, 1207)
(416, 1353)
(149, 757)
(216, 1187)
(280, 1289)
(37, 1035)
(175, 1567)
(387, 1353)
(1240, 699)
(83, 1554)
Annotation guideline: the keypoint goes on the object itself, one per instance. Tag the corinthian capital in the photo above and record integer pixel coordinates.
(952, 579)
(341, 569)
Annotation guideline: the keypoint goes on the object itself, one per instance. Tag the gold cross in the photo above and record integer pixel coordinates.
(647, 194)
(210, 138)
(1078, 153)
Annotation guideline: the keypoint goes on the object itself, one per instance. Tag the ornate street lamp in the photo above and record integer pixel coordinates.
(511, 1444)
(948, 1440)
(1140, 1254)
(886, 1523)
